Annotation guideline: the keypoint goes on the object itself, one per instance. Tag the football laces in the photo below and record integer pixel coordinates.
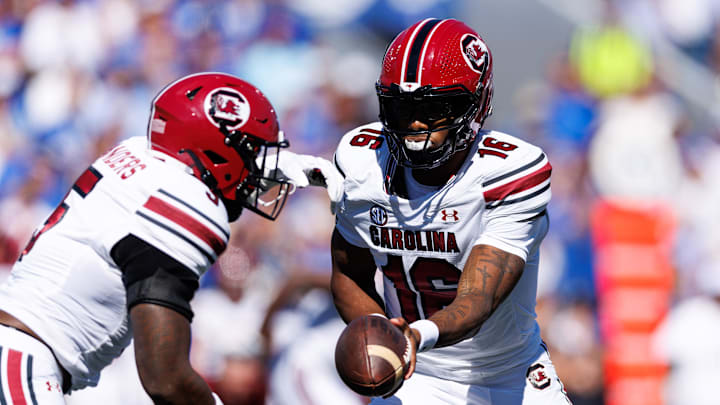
(406, 355)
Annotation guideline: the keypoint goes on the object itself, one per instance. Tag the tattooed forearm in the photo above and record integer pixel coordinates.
(489, 276)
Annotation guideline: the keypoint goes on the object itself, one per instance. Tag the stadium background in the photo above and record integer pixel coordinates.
(623, 95)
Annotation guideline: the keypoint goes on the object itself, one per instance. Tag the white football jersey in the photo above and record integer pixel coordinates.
(421, 244)
(67, 288)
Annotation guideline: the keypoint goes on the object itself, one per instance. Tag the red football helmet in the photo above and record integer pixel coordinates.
(218, 125)
(434, 69)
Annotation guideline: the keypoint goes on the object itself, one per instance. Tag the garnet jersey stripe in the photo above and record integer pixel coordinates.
(87, 181)
(208, 255)
(224, 231)
(187, 222)
(514, 172)
(516, 186)
(534, 194)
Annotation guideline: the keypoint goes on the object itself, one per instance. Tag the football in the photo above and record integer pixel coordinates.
(371, 356)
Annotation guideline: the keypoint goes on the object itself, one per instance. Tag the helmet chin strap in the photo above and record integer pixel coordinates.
(233, 207)
(205, 174)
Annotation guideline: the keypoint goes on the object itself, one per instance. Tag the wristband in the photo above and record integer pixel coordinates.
(429, 334)
(217, 399)
(378, 314)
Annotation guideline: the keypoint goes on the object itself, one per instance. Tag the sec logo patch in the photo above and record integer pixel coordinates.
(378, 215)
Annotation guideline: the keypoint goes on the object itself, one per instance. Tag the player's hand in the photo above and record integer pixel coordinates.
(306, 170)
(413, 338)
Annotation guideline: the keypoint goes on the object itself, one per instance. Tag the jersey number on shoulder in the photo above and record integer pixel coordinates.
(83, 185)
(429, 286)
(362, 139)
(495, 148)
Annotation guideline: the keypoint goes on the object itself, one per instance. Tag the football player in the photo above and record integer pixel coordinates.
(453, 215)
(120, 257)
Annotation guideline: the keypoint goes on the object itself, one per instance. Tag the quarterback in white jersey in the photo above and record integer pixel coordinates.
(453, 216)
(130, 240)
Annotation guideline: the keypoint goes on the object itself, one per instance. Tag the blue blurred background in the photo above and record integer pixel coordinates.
(624, 96)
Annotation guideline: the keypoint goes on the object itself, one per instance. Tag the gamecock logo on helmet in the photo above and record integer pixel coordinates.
(227, 106)
(475, 52)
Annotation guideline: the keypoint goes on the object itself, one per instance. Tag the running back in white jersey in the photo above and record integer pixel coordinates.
(421, 245)
(66, 286)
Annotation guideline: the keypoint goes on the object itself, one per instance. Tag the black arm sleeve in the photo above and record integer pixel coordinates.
(151, 276)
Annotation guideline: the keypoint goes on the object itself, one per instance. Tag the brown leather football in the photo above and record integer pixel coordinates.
(371, 356)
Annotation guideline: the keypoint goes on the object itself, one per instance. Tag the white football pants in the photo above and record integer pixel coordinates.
(536, 385)
(29, 374)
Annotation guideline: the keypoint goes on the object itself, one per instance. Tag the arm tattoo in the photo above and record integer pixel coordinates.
(489, 276)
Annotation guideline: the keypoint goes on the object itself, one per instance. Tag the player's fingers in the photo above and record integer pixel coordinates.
(290, 165)
(293, 172)
(411, 366)
(400, 323)
(412, 344)
(297, 175)
(413, 352)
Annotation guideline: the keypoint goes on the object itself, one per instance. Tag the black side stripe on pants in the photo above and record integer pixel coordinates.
(2, 394)
(29, 379)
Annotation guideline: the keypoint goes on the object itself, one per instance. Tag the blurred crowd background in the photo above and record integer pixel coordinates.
(624, 96)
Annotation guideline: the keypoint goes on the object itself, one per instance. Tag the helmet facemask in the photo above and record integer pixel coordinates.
(398, 110)
(263, 194)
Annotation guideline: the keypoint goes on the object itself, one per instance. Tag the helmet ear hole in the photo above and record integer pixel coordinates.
(214, 157)
(228, 177)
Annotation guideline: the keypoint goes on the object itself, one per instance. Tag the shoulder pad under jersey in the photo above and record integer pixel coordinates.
(188, 223)
(514, 174)
(170, 208)
(361, 150)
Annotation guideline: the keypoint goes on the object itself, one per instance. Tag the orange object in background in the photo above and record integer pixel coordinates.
(634, 279)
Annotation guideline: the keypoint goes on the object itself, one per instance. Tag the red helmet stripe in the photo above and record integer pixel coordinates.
(412, 58)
